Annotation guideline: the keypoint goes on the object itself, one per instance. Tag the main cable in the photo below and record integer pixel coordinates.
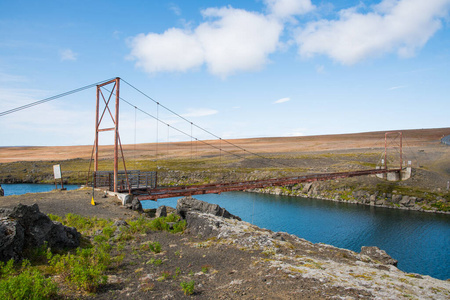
(7, 112)
(201, 128)
(176, 129)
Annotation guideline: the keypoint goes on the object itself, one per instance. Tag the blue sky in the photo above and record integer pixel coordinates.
(239, 69)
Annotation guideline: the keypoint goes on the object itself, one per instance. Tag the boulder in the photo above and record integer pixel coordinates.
(26, 227)
(136, 205)
(307, 187)
(120, 223)
(396, 198)
(11, 239)
(161, 211)
(200, 225)
(187, 204)
(61, 237)
(378, 255)
(405, 201)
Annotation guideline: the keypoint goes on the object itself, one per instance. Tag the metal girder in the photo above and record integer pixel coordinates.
(178, 191)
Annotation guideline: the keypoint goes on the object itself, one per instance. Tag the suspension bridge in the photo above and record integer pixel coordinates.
(144, 184)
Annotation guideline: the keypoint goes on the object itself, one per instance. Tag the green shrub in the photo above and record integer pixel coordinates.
(188, 287)
(29, 283)
(140, 225)
(159, 224)
(179, 226)
(155, 247)
(85, 268)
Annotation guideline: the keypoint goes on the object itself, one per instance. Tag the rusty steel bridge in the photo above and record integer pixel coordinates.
(143, 185)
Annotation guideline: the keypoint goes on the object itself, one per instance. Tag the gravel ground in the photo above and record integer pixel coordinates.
(76, 201)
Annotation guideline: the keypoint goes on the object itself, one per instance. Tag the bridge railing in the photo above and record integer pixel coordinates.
(136, 179)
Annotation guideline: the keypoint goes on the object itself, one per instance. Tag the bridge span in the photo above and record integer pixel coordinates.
(217, 188)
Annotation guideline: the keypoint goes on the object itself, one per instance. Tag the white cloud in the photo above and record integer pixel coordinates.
(199, 112)
(237, 40)
(175, 9)
(229, 40)
(401, 26)
(282, 100)
(174, 50)
(287, 8)
(68, 54)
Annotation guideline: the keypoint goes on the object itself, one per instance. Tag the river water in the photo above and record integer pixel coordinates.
(419, 241)
(24, 188)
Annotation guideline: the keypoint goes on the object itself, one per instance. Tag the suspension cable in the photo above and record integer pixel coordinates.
(7, 112)
(176, 129)
(203, 129)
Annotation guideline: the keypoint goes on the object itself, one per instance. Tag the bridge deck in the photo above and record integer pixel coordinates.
(178, 191)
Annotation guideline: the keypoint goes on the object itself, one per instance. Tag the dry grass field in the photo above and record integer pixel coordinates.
(275, 155)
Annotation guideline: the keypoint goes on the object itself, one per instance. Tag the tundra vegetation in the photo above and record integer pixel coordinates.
(45, 274)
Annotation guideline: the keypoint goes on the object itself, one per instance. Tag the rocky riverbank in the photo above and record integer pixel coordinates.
(395, 199)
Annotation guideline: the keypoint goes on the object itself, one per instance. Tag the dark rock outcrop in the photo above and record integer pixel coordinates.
(26, 227)
(136, 205)
(378, 255)
(187, 204)
(161, 211)
(197, 223)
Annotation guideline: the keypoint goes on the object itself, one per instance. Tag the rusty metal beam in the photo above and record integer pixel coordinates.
(115, 120)
(169, 192)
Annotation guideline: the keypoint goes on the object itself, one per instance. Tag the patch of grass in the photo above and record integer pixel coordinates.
(24, 283)
(85, 225)
(188, 287)
(441, 205)
(152, 246)
(155, 262)
(83, 269)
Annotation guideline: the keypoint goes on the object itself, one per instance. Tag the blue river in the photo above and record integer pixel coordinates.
(419, 241)
(24, 188)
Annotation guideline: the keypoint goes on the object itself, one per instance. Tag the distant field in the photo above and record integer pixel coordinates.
(271, 145)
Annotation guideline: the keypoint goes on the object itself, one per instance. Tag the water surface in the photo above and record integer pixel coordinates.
(24, 188)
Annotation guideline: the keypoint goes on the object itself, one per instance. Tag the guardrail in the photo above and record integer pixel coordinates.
(136, 180)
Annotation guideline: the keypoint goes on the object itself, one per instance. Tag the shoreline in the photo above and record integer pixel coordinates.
(258, 191)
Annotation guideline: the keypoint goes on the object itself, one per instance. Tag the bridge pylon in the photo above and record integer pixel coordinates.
(115, 120)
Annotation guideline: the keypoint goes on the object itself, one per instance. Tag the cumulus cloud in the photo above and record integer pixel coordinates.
(400, 26)
(67, 54)
(174, 50)
(287, 8)
(229, 40)
(282, 100)
(237, 40)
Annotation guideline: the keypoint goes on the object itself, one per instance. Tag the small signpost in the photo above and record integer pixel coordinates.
(57, 174)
